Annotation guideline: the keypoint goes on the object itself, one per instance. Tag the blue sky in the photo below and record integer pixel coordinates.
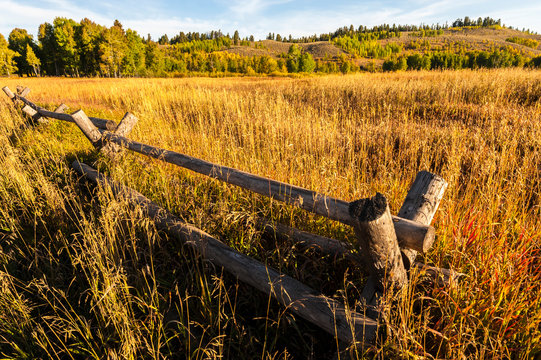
(259, 17)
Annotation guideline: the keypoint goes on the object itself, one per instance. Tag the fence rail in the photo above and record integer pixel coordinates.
(387, 245)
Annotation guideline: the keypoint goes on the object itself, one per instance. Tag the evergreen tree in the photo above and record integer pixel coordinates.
(64, 36)
(236, 38)
(47, 49)
(88, 36)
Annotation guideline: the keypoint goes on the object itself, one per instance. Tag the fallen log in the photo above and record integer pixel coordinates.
(328, 314)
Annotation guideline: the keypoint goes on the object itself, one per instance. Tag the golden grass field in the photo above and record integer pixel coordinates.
(84, 276)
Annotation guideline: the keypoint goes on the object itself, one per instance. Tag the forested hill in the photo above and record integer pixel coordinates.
(70, 48)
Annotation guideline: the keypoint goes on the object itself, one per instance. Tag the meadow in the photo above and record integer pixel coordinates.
(83, 275)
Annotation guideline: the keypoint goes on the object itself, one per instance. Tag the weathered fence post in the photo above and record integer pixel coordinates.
(61, 108)
(123, 129)
(420, 205)
(376, 237)
(22, 92)
(9, 93)
(422, 201)
(91, 132)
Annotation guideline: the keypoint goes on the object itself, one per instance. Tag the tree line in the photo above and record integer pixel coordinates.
(69, 48)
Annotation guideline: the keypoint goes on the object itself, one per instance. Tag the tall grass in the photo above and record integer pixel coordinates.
(84, 275)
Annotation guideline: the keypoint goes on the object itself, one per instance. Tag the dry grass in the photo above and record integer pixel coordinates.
(84, 276)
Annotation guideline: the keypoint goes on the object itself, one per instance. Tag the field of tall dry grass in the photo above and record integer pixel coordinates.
(82, 275)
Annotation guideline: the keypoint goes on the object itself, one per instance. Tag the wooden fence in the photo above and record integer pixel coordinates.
(387, 245)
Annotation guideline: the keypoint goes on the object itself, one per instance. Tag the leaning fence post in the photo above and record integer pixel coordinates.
(87, 127)
(9, 93)
(376, 236)
(22, 92)
(422, 201)
(123, 129)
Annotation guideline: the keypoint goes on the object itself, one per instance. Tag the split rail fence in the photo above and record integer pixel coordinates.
(387, 245)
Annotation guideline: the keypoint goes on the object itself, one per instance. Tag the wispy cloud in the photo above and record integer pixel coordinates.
(241, 8)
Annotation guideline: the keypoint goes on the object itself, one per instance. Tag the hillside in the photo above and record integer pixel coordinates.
(481, 39)
(318, 49)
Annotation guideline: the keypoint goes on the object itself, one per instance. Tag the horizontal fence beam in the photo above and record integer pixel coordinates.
(337, 248)
(410, 234)
(98, 122)
(327, 313)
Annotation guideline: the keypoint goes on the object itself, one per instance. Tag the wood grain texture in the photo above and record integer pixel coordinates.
(376, 238)
(328, 314)
(421, 204)
(123, 129)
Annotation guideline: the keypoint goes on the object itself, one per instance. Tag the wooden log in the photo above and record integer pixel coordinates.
(324, 312)
(123, 129)
(86, 126)
(33, 114)
(376, 237)
(422, 201)
(9, 93)
(409, 233)
(98, 122)
(23, 92)
(334, 247)
(303, 238)
(61, 108)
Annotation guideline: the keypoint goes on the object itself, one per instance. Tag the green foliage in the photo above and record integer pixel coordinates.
(112, 50)
(418, 62)
(73, 49)
(367, 48)
(307, 63)
(64, 35)
(293, 57)
(19, 42)
(7, 58)
(531, 43)
(32, 60)
(536, 62)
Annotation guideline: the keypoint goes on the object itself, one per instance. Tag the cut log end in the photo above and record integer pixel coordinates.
(368, 209)
(61, 108)
(8, 92)
(375, 235)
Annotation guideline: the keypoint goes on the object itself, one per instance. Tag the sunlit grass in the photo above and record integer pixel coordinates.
(82, 274)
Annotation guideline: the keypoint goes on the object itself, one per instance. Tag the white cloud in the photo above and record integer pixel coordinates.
(14, 14)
